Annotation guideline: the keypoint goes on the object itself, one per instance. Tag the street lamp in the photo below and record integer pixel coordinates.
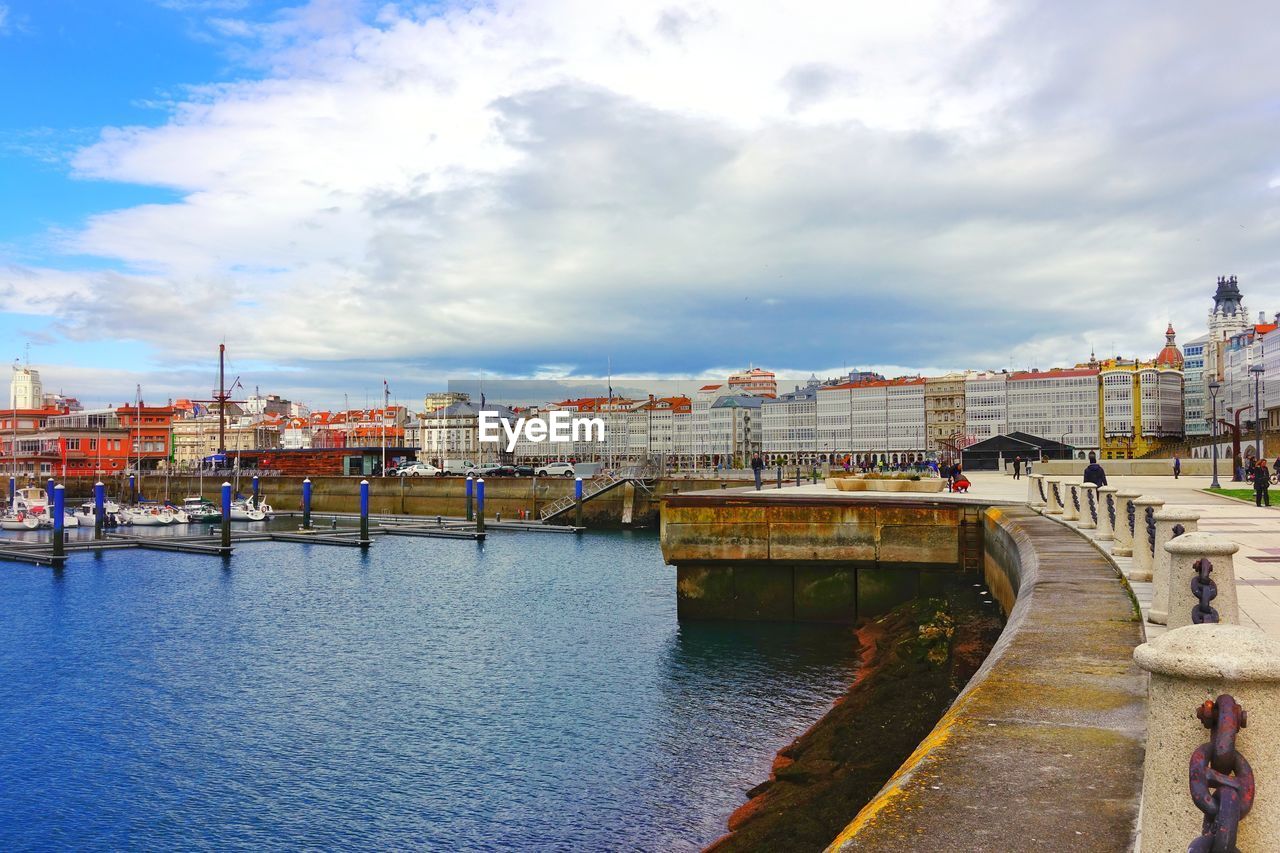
(1214, 387)
(1256, 370)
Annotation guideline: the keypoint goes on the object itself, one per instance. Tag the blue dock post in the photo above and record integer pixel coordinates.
(256, 499)
(577, 499)
(364, 513)
(48, 488)
(13, 490)
(99, 508)
(59, 522)
(470, 487)
(225, 548)
(133, 489)
(306, 504)
(480, 505)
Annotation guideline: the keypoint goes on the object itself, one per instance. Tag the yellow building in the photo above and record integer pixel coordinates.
(1140, 403)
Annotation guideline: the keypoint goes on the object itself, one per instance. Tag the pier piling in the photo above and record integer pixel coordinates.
(364, 514)
(577, 501)
(58, 494)
(99, 508)
(480, 505)
(306, 504)
(470, 487)
(133, 489)
(225, 547)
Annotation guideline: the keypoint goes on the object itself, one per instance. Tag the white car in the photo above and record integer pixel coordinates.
(556, 469)
(417, 469)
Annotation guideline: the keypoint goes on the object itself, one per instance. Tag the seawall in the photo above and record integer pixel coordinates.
(1043, 748)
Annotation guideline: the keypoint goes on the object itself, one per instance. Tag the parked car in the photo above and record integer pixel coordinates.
(556, 469)
(416, 469)
(524, 470)
(504, 471)
(485, 469)
(458, 467)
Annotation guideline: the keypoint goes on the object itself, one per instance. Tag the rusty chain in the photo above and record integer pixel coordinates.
(1205, 590)
(1222, 784)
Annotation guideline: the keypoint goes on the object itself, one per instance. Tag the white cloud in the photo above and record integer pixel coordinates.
(4, 19)
(513, 181)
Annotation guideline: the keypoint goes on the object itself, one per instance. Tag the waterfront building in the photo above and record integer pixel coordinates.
(1141, 408)
(25, 390)
(789, 423)
(1195, 401)
(454, 433)
(1227, 318)
(881, 417)
(734, 428)
(703, 398)
(1240, 352)
(296, 434)
(195, 440)
(944, 412)
(761, 383)
(442, 399)
(1059, 404)
(267, 404)
(986, 406)
(149, 430)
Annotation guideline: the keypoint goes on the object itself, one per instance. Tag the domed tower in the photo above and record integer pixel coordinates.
(1170, 356)
(1229, 315)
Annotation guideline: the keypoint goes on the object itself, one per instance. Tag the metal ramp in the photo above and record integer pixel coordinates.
(638, 474)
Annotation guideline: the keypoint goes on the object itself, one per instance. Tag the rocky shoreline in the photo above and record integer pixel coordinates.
(914, 662)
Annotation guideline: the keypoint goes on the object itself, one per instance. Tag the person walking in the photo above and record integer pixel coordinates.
(1261, 484)
(1093, 472)
(1177, 466)
(757, 467)
(1017, 467)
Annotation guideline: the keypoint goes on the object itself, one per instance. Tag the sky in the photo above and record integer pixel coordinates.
(345, 192)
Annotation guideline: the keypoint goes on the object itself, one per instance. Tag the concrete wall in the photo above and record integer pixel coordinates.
(426, 496)
(1131, 467)
(795, 558)
(1043, 748)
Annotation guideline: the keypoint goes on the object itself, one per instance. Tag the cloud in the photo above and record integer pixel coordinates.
(511, 185)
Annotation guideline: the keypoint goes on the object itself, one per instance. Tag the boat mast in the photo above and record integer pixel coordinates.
(222, 400)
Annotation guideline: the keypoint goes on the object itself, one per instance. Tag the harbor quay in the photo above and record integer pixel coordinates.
(1080, 685)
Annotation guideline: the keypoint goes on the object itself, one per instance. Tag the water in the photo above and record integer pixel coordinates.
(535, 692)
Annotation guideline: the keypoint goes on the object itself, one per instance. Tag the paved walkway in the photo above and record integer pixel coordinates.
(1255, 530)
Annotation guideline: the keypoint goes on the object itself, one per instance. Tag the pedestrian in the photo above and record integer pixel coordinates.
(1177, 466)
(1261, 484)
(1093, 472)
(1017, 467)
(757, 467)
(1237, 467)
(955, 475)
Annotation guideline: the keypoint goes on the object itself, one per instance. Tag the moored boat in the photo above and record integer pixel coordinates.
(18, 520)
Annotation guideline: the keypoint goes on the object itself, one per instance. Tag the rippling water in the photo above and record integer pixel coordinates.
(535, 692)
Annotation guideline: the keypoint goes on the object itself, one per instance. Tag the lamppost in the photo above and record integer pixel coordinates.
(1256, 370)
(1214, 387)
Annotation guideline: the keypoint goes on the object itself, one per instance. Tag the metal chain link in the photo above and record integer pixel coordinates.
(1040, 486)
(1057, 496)
(1111, 510)
(1178, 530)
(1222, 783)
(1151, 530)
(1205, 590)
(1131, 509)
(1093, 506)
(1075, 499)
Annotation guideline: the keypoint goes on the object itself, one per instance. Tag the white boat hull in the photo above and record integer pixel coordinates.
(14, 523)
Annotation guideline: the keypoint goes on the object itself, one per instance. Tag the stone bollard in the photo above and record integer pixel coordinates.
(1184, 553)
(1144, 538)
(1070, 500)
(1123, 532)
(1191, 666)
(1107, 509)
(1035, 490)
(1088, 506)
(1053, 492)
(1166, 520)
(1034, 484)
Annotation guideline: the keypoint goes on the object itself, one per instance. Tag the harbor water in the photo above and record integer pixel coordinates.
(531, 692)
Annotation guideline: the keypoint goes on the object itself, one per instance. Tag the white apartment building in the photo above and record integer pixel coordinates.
(986, 406)
(789, 424)
(1195, 401)
(1059, 404)
(734, 427)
